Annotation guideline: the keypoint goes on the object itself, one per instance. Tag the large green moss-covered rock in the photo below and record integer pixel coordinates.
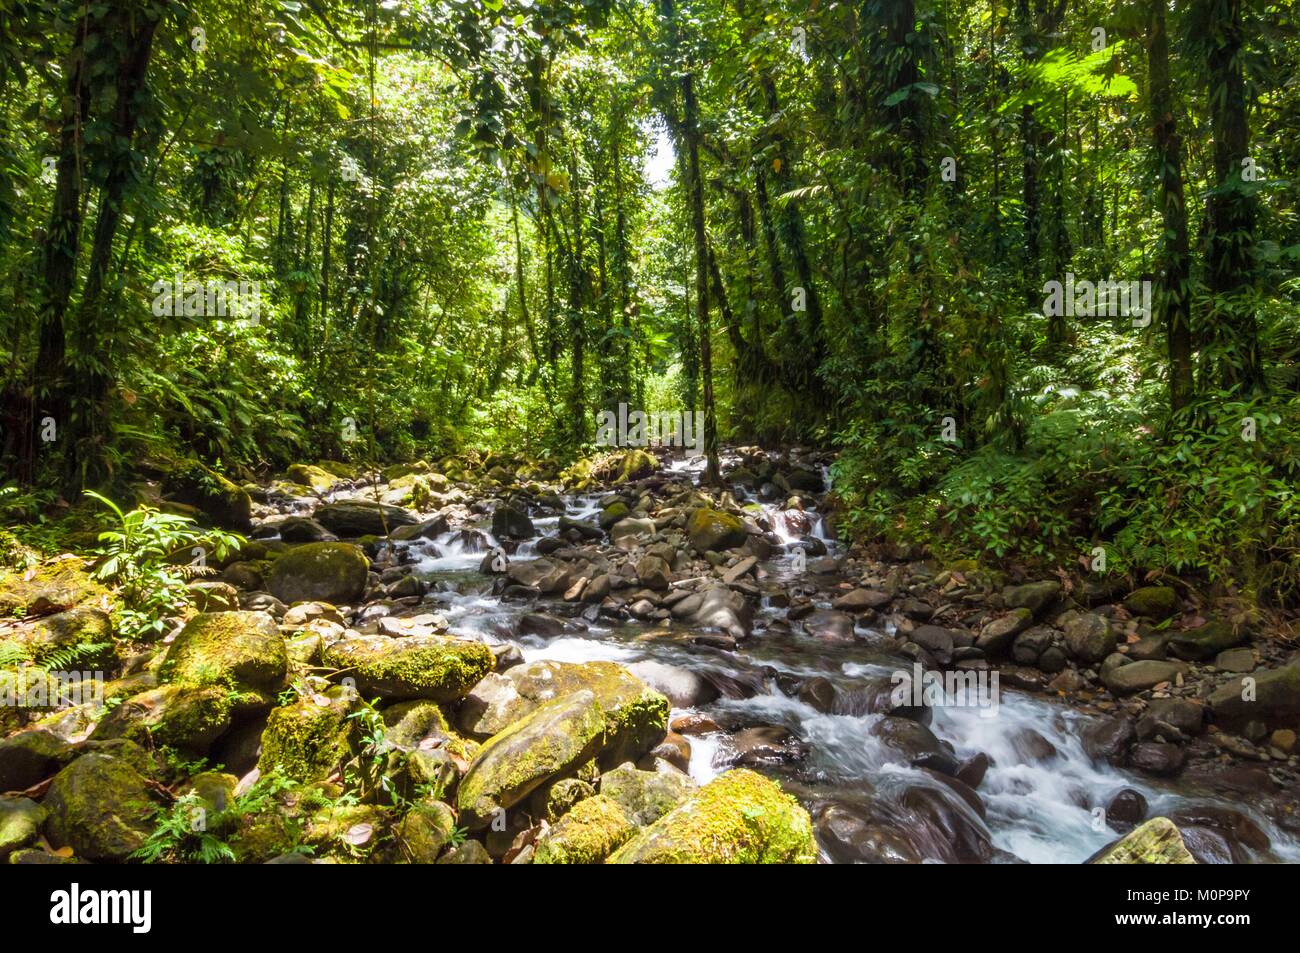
(309, 739)
(50, 587)
(81, 637)
(589, 833)
(20, 823)
(320, 572)
(1152, 602)
(305, 474)
(1034, 596)
(737, 818)
(226, 504)
(186, 717)
(709, 530)
(636, 716)
(347, 831)
(635, 465)
(551, 742)
(1157, 841)
(99, 806)
(425, 832)
(434, 667)
(424, 724)
(239, 650)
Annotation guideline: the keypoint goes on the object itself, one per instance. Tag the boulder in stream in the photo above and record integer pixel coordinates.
(434, 667)
(1158, 841)
(320, 572)
(737, 818)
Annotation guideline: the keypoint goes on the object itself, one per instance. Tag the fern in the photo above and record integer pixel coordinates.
(137, 553)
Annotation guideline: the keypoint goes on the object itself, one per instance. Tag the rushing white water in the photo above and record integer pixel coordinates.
(1040, 808)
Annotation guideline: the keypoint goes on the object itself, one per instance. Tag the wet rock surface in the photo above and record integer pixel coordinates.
(619, 665)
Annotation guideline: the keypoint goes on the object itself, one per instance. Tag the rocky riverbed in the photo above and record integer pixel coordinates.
(476, 662)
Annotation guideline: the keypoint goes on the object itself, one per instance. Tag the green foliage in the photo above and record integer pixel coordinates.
(367, 773)
(136, 554)
(190, 831)
(182, 835)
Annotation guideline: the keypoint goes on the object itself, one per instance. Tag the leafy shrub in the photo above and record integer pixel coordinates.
(134, 555)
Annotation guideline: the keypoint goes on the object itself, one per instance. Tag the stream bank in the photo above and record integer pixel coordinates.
(567, 669)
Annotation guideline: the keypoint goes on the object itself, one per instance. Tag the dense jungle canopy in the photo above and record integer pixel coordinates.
(476, 224)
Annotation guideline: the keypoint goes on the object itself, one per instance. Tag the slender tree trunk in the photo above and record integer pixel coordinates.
(1174, 295)
(1031, 145)
(623, 265)
(577, 306)
(94, 334)
(326, 266)
(1230, 210)
(776, 270)
(63, 241)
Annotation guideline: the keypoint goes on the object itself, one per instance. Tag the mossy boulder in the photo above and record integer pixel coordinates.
(20, 823)
(309, 739)
(31, 756)
(320, 572)
(1207, 641)
(222, 501)
(1089, 637)
(425, 832)
(423, 724)
(398, 471)
(646, 796)
(349, 831)
(579, 476)
(589, 833)
(237, 650)
(636, 716)
(1158, 841)
(189, 718)
(553, 801)
(273, 832)
(352, 519)
(432, 667)
(635, 465)
(81, 638)
(737, 818)
(710, 530)
(1034, 596)
(551, 742)
(50, 587)
(1152, 602)
(101, 807)
(613, 513)
(344, 471)
(318, 478)
(470, 852)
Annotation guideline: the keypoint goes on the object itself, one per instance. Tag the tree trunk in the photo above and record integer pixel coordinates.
(1174, 293)
(63, 241)
(1230, 210)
